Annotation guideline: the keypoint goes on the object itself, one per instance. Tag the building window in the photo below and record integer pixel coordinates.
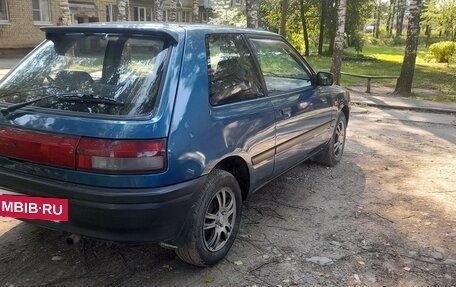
(111, 13)
(203, 16)
(165, 15)
(184, 16)
(142, 14)
(3, 11)
(41, 11)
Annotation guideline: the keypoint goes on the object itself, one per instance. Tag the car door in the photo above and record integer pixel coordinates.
(303, 115)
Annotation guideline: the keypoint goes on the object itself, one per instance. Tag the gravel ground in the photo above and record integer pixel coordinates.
(385, 216)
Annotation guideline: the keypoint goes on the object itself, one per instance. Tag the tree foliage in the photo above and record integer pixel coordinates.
(441, 14)
(316, 12)
(224, 14)
(270, 17)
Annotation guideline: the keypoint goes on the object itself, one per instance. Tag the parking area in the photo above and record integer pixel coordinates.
(384, 216)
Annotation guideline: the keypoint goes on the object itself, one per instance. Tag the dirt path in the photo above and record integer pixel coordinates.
(385, 216)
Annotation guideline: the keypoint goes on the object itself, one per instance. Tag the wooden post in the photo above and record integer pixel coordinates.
(368, 85)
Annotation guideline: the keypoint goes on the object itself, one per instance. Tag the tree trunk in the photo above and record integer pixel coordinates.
(158, 10)
(331, 23)
(172, 17)
(339, 41)
(404, 83)
(123, 10)
(195, 12)
(377, 23)
(391, 14)
(64, 19)
(401, 7)
(304, 27)
(252, 7)
(321, 37)
(283, 18)
(428, 35)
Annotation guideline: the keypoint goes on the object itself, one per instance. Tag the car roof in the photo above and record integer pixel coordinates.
(172, 29)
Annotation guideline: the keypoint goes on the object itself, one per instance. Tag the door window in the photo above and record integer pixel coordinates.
(281, 67)
(231, 69)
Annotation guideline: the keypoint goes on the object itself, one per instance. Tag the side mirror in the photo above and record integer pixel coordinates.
(325, 79)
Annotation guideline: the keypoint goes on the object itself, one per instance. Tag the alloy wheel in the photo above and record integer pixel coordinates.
(219, 219)
(339, 138)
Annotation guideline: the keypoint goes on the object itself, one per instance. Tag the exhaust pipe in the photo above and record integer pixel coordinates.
(73, 239)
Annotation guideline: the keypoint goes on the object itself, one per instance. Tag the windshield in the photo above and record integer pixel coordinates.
(118, 68)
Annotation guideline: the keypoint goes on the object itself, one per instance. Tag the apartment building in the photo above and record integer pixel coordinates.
(20, 20)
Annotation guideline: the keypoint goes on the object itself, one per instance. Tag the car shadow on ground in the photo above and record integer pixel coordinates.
(281, 222)
(347, 214)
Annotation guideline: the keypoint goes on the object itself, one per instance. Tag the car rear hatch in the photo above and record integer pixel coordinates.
(91, 105)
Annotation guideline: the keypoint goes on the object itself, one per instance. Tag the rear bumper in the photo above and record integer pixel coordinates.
(121, 215)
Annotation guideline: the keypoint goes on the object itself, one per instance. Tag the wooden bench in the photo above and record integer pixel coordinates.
(369, 79)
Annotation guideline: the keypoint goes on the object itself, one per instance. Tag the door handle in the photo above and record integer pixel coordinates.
(286, 113)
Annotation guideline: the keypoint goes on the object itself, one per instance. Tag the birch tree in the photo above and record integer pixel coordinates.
(172, 17)
(404, 83)
(195, 12)
(64, 19)
(401, 7)
(252, 7)
(339, 40)
(390, 20)
(158, 10)
(122, 6)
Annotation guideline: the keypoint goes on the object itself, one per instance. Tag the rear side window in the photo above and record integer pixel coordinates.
(231, 69)
(281, 67)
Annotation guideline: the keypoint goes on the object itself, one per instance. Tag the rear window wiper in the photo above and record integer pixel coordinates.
(67, 96)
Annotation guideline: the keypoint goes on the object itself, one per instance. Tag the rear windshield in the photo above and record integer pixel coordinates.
(98, 74)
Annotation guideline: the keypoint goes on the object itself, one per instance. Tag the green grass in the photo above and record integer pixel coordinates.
(387, 61)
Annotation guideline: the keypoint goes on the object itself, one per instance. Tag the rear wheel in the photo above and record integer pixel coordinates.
(215, 220)
(334, 150)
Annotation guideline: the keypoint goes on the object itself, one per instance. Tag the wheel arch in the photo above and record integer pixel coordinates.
(346, 110)
(239, 169)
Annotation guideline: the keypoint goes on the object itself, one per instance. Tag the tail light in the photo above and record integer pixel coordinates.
(89, 154)
(121, 156)
(54, 150)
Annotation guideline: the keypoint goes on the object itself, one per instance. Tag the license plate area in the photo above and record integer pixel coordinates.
(19, 206)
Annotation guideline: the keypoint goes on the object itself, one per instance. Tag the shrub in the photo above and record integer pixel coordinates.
(399, 41)
(357, 41)
(297, 40)
(442, 51)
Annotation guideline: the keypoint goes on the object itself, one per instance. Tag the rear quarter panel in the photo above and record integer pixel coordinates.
(202, 135)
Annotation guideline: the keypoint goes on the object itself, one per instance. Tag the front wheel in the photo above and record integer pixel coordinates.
(215, 220)
(332, 153)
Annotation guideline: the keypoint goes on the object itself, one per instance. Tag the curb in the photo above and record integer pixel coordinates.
(410, 108)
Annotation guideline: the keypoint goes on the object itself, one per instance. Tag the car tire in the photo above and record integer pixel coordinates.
(215, 220)
(334, 149)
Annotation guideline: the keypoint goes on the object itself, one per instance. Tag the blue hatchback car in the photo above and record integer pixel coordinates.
(158, 132)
